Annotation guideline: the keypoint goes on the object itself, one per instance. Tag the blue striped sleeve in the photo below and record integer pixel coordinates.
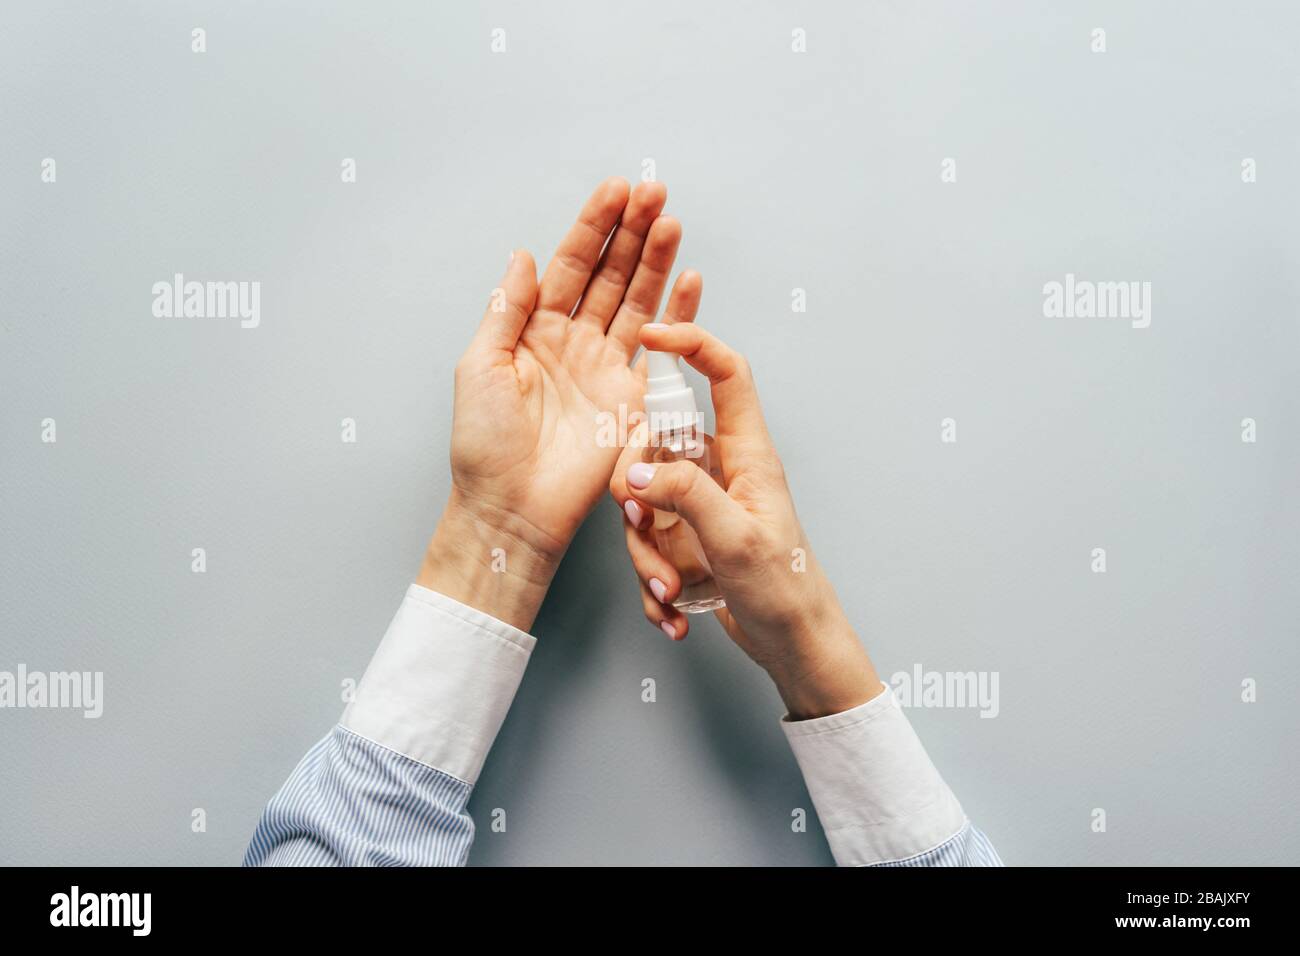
(968, 847)
(353, 802)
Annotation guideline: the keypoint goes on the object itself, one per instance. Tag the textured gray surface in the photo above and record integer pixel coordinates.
(819, 171)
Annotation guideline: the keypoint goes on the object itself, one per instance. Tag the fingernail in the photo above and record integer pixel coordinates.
(511, 260)
(656, 325)
(633, 512)
(639, 475)
(668, 629)
(659, 590)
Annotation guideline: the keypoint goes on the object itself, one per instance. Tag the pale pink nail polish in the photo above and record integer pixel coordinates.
(656, 325)
(668, 629)
(633, 511)
(511, 260)
(658, 589)
(640, 474)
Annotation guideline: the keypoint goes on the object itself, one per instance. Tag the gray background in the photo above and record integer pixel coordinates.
(818, 171)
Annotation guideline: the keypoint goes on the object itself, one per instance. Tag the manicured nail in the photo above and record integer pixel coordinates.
(659, 590)
(656, 325)
(640, 474)
(633, 512)
(668, 629)
(511, 260)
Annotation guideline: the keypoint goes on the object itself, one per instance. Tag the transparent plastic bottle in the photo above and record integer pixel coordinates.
(676, 435)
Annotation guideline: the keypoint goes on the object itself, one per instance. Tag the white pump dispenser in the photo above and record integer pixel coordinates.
(669, 401)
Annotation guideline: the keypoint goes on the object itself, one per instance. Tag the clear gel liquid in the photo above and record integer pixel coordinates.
(675, 539)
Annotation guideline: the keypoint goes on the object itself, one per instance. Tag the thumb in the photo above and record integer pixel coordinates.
(510, 305)
(687, 489)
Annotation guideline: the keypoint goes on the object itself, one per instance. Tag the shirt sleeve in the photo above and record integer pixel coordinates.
(389, 785)
(878, 797)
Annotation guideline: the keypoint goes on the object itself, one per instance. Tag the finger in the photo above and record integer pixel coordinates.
(569, 270)
(652, 567)
(683, 304)
(684, 300)
(636, 514)
(686, 488)
(648, 282)
(510, 304)
(731, 384)
(607, 287)
(663, 616)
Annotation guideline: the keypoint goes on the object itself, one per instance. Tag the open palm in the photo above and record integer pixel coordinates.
(549, 358)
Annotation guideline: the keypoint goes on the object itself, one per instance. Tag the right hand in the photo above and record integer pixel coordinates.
(781, 609)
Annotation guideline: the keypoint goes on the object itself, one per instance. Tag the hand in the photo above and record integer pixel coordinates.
(781, 609)
(548, 357)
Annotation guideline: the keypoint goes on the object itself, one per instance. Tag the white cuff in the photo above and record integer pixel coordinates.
(438, 688)
(878, 796)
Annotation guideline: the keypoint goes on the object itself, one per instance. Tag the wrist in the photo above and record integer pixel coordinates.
(490, 559)
(826, 670)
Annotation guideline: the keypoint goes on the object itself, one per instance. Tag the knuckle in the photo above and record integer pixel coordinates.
(750, 541)
(682, 476)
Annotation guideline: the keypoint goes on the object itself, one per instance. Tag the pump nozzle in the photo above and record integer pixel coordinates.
(669, 401)
(661, 365)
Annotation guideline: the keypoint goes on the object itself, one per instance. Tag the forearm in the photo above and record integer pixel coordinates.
(828, 670)
(821, 667)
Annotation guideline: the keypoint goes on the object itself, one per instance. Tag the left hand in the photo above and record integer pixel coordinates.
(547, 359)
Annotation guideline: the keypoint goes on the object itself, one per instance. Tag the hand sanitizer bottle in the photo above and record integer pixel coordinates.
(677, 434)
